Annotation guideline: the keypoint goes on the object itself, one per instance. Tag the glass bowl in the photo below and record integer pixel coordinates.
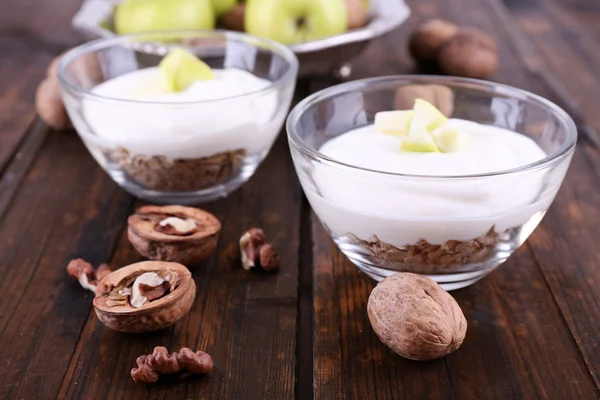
(454, 229)
(179, 151)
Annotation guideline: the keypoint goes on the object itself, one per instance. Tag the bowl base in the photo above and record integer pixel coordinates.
(448, 282)
(459, 278)
(190, 197)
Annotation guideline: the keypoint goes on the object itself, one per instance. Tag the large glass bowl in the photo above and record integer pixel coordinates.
(183, 152)
(454, 229)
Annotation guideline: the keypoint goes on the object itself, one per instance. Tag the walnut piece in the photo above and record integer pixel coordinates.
(268, 258)
(174, 233)
(415, 317)
(87, 276)
(255, 251)
(150, 366)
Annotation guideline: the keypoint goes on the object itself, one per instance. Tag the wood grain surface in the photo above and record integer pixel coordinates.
(301, 333)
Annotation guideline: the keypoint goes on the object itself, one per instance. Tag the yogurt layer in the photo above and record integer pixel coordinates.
(402, 210)
(187, 124)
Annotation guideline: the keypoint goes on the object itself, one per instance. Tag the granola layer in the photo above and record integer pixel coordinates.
(425, 258)
(178, 175)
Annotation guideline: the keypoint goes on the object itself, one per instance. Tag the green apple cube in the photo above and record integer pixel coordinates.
(427, 116)
(395, 123)
(419, 140)
(451, 140)
(183, 68)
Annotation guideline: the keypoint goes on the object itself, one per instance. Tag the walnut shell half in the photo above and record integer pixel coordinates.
(415, 317)
(153, 315)
(174, 233)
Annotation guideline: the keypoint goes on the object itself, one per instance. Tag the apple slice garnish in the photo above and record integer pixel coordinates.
(451, 140)
(395, 123)
(183, 68)
(426, 115)
(419, 140)
(424, 129)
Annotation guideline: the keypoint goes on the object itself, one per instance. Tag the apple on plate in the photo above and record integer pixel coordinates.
(134, 16)
(295, 21)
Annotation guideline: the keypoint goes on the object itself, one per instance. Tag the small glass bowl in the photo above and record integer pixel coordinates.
(183, 152)
(454, 229)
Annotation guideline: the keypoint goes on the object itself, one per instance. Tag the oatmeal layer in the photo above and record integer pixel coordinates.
(178, 175)
(425, 258)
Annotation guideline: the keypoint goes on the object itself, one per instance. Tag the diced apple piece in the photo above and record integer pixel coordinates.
(183, 68)
(450, 140)
(427, 116)
(420, 141)
(393, 122)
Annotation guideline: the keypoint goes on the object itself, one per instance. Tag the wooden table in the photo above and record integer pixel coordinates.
(533, 323)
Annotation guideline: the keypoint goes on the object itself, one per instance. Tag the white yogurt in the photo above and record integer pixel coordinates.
(401, 211)
(187, 124)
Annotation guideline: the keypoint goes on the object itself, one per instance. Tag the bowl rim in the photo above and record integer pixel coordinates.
(485, 86)
(105, 42)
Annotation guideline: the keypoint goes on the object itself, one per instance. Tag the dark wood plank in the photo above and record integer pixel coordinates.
(41, 314)
(48, 22)
(350, 361)
(513, 315)
(564, 48)
(565, 244)
(22, 67)
(245, 320)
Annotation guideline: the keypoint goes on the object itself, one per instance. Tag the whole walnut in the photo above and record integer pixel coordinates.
(429, 37)
(234, 18)
(358, 14)
(470, 53)
(49, 104)
(415, 317)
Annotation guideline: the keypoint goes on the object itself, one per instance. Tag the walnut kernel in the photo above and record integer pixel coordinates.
(150, 366)
(87, 276)
(255, 251)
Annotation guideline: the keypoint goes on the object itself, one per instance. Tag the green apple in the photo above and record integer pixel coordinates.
(134, 16)
(182, 68)
(419, 140)
(222, 6)
(450, 140)
(426, 115)
(295, 21)
(395, 123)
